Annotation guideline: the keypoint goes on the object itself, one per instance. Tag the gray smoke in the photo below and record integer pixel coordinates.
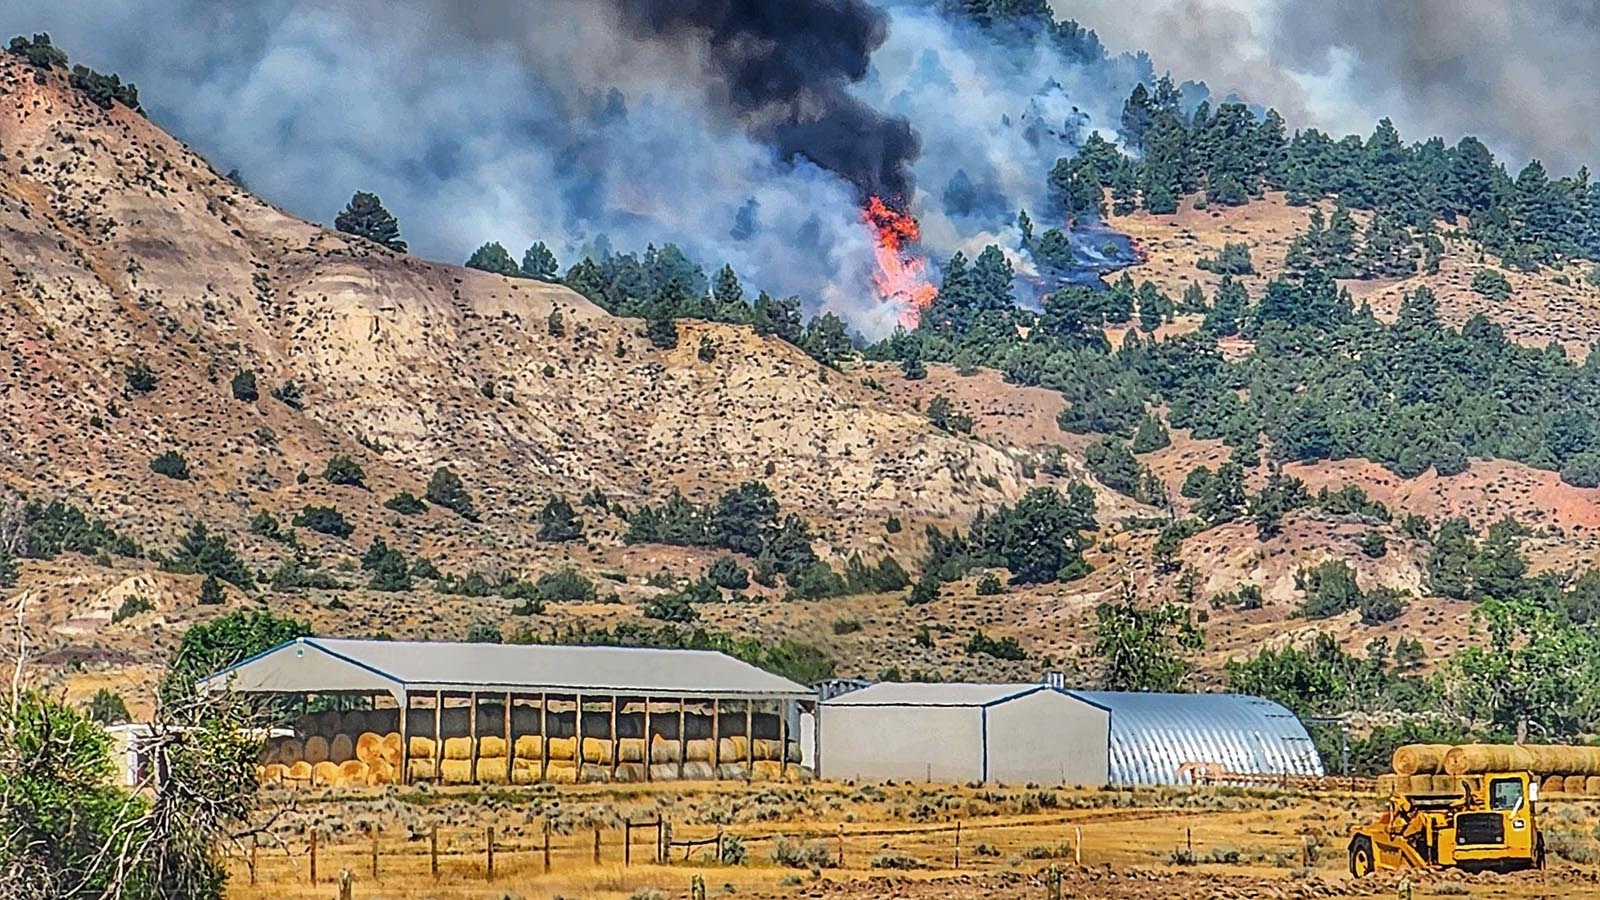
(1513, 72)
(745, 137)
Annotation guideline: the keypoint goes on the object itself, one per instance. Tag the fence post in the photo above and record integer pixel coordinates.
(719, 845)
(841, 845)
(597, 845)
(313, 856)
(547, 845)
(662, 850)
(433, 852)
(958, 844)
(374, 828)
(255, 843)
(627, 843)
(347, 884)
(1077, 844)
(488, 864)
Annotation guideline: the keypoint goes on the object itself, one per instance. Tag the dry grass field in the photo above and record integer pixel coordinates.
(893, 840)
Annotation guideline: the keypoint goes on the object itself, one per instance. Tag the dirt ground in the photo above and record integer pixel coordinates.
(894, 841)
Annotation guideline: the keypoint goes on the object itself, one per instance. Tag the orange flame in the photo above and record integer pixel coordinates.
(902, 276)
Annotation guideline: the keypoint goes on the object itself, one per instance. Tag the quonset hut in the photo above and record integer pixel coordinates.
(494, 713)
(1034, 732)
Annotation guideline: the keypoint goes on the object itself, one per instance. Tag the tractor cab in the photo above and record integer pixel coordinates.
(1490, 824)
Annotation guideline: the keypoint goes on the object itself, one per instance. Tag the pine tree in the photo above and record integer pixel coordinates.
(365, 217)
(492, 257)
(539, 263)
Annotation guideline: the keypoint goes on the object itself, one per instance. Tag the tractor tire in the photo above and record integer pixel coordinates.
(1362, 862)
(1538, 853)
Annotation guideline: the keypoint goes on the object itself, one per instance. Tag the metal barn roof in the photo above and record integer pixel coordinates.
(890, 693)
(1153, 734)
(328, 665)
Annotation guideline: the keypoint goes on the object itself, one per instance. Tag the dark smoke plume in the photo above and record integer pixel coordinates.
(784, 69)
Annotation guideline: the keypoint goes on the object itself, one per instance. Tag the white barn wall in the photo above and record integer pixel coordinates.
(944, 743)
(1049, 738)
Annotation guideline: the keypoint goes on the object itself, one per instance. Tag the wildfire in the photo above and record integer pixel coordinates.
(902, 276)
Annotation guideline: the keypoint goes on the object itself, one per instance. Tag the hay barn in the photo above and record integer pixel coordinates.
(386, 712)
(1178, 738)
(1010, 733)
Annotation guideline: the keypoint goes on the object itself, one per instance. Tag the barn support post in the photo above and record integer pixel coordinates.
(616, 742)
(472, 736)
(647, 745)
(749, 739)
(577, 718)
(716, 740)
(405, 737)
(783, 739)
(511, 743)
(544, 743)
(438, 735)
(683, 736)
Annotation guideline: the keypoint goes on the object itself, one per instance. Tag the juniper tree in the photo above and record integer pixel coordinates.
(365, 217)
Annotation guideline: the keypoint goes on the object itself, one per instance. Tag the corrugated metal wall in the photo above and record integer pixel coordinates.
(1152, 735)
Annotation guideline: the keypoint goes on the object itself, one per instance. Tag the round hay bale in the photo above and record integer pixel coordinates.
(732, 749)
(529, 746)
(458, 748)
(491, 747)
(455, 771)
(630, 750)
(631, 772)
(664, 772)
(274, 773)
(700, 750)
(766, 770)
(270, 751)
(422, 770)
(561, 773)
(298, 773)
(522, 772)
(796, 754)
(291, 751)
(1591, 785)
(663, 750)
(1386, 784)
(341, 749)
(766, 750)
(1420, 759)
(1477, 759)
(380, 773)
(597, 750)
(492, 771)
(325, 774)
(1553, 784)
(564, 749)
(391, 749)
(1573, 784)
(316, 749)
(353, 773)
(369, 748)
(698, 770)
(421, 748)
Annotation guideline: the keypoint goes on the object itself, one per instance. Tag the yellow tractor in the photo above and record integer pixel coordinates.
(1489, 825)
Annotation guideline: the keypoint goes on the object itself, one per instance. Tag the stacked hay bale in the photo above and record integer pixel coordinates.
(1439, 768)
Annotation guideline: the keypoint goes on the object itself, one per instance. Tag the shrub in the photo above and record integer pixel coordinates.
(1382, 604)
(1492, 284)
(343, 470)
(324, 520)
(894, 861)
(725, 572)
(1582, 470)
(1330, 589)
(141, 380)
(406, 504)
(662, 332)
(846, 626)
(289, 395)
(446, 489)
(989, 585)
(211, 593)
(814, 582)
(200, 552)
(266, 525)
(564, 586)
(171, 464)
(892, 525)
(1004, 648)
(733, 851)
(388, 567)
(671, 606)
(108, 708)
(559, 522)
(925, 591)
(1232, 259)
(131, 607)
(484, 633)
(797, 855)
(244, 386)
(1374, 544)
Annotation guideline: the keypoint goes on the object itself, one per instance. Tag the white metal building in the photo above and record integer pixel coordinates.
(1010, 733)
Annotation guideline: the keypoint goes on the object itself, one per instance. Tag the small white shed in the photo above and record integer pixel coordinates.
(1011, 733)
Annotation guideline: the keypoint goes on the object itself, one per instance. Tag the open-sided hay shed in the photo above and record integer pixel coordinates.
(493, 713)
(1009, 733)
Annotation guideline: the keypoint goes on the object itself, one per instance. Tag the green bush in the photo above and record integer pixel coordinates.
(140, 378)
(324, 520)
(406, 504)
(726, 573)
(201, 552)
(171, 464)
(484, 633)
(290, 395)
(130, 607)
(671, 606)
(108, 708)
(211, 593)
(989, 585)
(846, 626)
(558, 521)
(1232, 259)
(1374, 545)
(244, 386)
(1003, 648)
(925, 591)
(1492, 284)
(564, 586)
(446, 489)
(345, 471)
